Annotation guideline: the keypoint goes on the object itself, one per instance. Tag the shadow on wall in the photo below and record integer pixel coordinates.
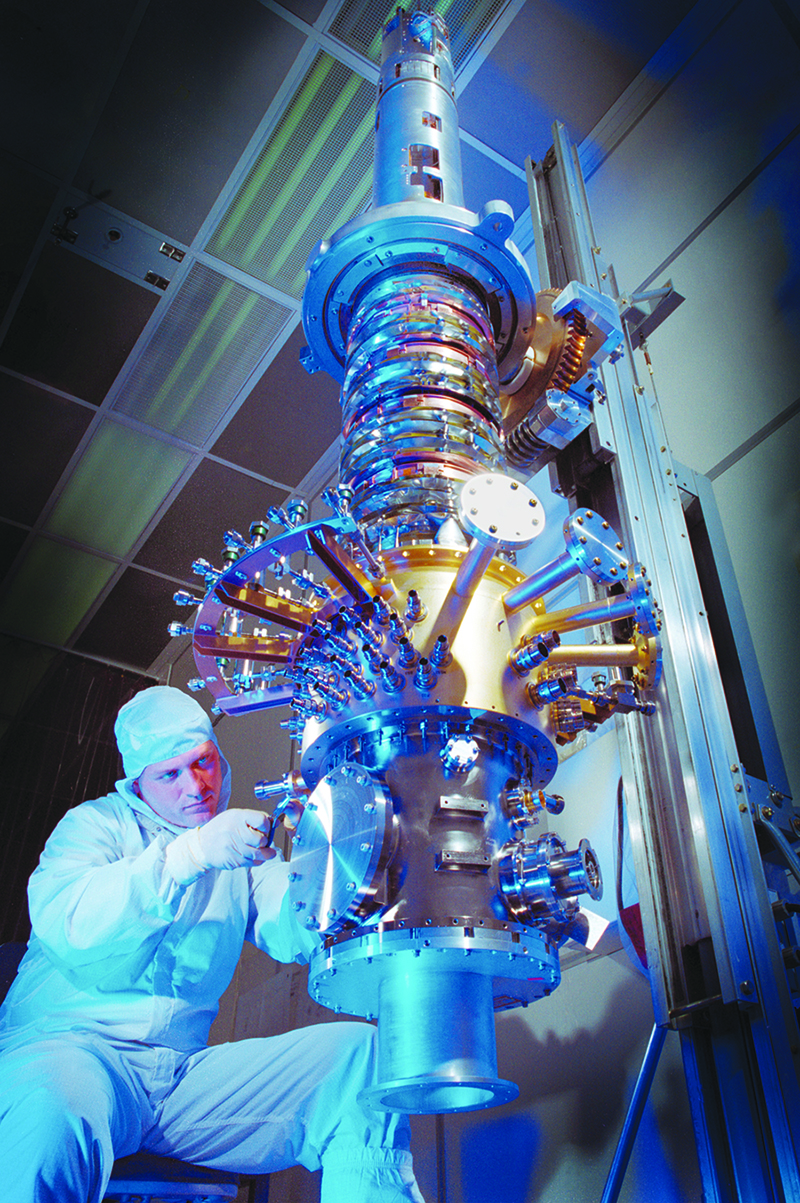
(574, 1092)
(498, 1159)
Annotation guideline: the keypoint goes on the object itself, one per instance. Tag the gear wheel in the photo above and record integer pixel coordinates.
(569, 366)
(557, 358)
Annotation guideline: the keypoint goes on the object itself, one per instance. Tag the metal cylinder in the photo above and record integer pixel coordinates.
(575, 618)
(543, 581)
(588, 655)
(447, 1065)
(417, 148)
(472, 567)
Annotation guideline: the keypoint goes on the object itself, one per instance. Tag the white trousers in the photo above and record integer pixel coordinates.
(70, 1105)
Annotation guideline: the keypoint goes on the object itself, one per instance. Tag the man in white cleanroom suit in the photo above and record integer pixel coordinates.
(139, 907)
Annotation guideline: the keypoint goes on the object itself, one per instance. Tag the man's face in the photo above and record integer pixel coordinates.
(185, 789)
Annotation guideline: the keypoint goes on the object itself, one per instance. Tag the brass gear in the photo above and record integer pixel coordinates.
(570, 361)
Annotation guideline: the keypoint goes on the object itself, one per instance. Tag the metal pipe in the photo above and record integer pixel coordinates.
(654, 294)
(609, 655)
(633, 1116)
(781, 842)
(544, 581)
(472, 567)
(573, 618)
(450, 1065)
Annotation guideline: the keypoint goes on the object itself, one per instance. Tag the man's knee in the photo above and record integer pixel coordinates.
(352, 1049)
(358, 1038)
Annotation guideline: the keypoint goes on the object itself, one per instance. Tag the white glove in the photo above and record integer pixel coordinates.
(228, 841)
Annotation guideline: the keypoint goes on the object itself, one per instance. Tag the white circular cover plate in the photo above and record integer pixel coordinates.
(498, 509)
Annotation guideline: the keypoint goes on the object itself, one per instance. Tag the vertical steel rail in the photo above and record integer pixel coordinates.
(706, 911)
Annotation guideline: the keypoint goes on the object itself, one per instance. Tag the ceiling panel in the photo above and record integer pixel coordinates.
(314, 174)
(308, 10)
(54, 72)
(11, 541)
(215, 499)
(52, 591)
(41, 433)
(75, 325)
(25, 201)
(197, 81)
(121, 479)
(274, 433)
(211, 339)
(130, 627)
(569, 60)
(508, 187)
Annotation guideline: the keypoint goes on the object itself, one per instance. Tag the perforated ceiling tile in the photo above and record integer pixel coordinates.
(197, 80)
(130, 627)
(313, 174)
(273, 433)
(212, 501)
(25, 201)
(202, 353)
(54, 73)
(309, 10)
(118, 484)
(52, 591)
(11, 540)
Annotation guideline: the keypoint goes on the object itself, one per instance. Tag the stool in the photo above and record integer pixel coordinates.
(143, 1177)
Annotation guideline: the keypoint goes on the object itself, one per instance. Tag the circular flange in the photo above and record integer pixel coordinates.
(496, 509)
(647, 672)
(595, 547)
(470, 246)
(249, 569)
(343, 842)
(438, 1094)
(324, 737)
(345, 975)
(639, 593)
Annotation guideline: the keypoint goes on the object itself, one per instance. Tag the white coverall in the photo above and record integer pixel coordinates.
(103, 1033)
